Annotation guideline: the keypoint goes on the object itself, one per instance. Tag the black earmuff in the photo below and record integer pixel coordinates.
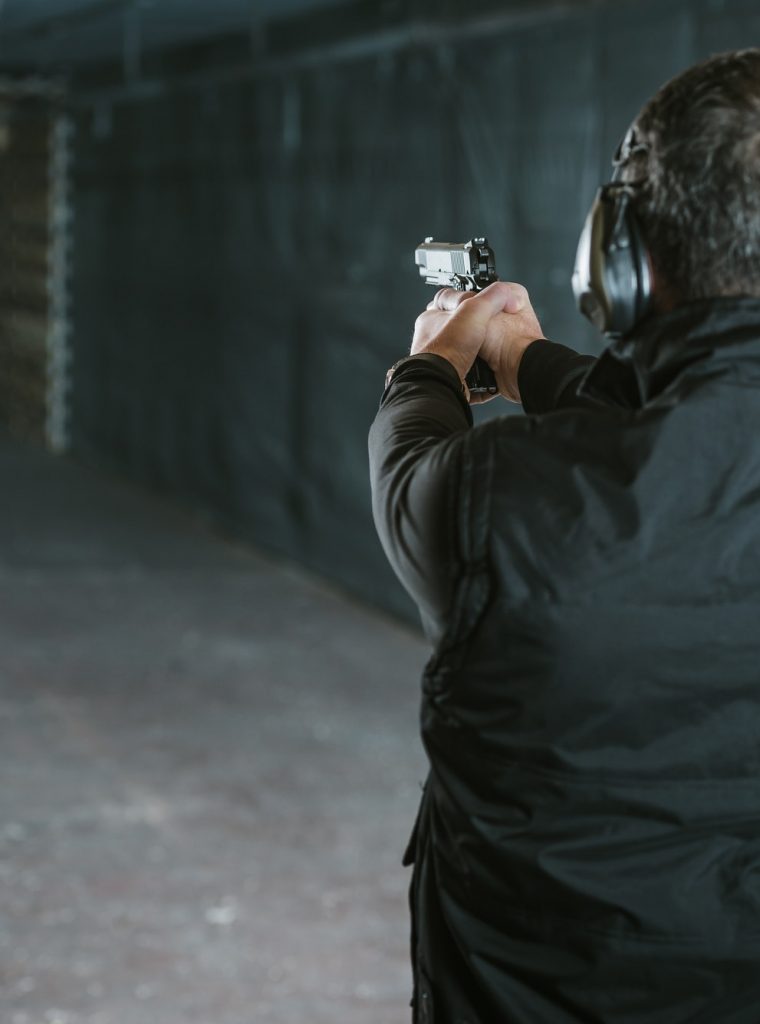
(612, 280)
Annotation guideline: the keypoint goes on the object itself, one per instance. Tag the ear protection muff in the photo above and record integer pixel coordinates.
(612, 280)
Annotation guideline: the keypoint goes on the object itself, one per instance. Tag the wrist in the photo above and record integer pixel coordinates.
(443, 367)
(451, 354)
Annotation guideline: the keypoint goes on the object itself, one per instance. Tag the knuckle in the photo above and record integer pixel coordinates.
(463, 310)
(451, 299)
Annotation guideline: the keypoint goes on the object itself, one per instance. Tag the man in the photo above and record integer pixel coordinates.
(588, 844)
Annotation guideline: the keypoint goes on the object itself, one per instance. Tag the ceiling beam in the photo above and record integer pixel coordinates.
(66, 20)
(417, 34)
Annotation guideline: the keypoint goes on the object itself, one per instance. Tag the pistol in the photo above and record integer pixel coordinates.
(467, 267)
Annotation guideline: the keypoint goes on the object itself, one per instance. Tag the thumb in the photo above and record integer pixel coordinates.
(499, 297)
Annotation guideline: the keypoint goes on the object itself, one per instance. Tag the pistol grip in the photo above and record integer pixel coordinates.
(480, 380)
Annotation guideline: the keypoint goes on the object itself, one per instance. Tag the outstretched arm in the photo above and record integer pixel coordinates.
(416, 441)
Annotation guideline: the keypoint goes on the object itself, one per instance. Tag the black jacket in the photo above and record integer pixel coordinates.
(588, 845)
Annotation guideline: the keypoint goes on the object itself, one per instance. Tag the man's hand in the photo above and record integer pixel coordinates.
(496, 324)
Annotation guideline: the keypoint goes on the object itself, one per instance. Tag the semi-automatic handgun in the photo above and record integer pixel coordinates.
(467, 267)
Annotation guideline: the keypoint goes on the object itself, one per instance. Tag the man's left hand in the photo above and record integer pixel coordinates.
(496, 324)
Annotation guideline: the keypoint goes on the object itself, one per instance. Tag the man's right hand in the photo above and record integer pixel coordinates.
(498, 326)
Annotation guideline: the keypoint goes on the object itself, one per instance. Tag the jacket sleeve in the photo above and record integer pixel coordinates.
(415, 455)
(549, 377)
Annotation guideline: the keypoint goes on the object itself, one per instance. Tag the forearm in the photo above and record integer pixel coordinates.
(415, 449)
(549, 375)
(413, 452)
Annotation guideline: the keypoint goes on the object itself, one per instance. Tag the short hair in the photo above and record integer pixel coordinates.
(698, 161)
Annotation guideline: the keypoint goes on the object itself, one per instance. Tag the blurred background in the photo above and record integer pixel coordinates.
(208, 680)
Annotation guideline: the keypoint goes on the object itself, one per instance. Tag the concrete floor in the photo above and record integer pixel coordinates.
(210, 766)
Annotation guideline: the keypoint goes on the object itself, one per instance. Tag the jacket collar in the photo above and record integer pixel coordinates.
(701, 337)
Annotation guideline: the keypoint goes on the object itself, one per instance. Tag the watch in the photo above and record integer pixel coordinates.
(391, 372)
(400, 362)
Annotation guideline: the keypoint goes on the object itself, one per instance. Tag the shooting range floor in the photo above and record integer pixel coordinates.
(210, 767)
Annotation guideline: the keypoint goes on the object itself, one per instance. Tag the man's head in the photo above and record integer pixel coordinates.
(695, 152)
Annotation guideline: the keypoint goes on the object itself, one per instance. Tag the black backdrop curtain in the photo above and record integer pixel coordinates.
(242, 265)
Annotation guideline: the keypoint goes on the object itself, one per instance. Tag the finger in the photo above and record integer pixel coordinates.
(448, 299)
(515, 296)
(426, 320)
(499, 297)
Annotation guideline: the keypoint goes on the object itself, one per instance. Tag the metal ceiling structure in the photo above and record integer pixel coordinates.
(53, 36)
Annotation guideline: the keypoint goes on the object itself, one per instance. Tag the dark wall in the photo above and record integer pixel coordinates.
(243, 267)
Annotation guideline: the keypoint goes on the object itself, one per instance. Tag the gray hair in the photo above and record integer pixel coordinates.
(697, 159)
